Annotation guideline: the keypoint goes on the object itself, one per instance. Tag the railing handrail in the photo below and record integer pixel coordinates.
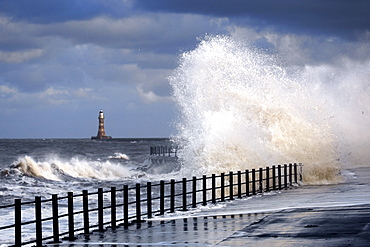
(188, 192)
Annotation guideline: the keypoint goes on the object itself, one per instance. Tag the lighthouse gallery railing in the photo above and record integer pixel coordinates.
(115, 207)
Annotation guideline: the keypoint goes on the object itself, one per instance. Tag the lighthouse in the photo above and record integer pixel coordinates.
(101, 131)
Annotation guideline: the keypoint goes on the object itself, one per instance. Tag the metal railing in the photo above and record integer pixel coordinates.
(164, 151)
(69, 215)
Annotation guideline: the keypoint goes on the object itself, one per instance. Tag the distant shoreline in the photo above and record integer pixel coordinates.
(82, 138)
(135, 139)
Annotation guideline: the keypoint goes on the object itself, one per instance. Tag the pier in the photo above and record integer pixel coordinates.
(163, 151)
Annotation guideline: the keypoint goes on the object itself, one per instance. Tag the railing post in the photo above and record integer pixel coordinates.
(54, 203)
(239, 184)
(273, 177)
(125, 205)
(222, 187)
(113, 207)
(267, 178)
(138, 203)
(149, 199)
(231, 185)
(184, 194)
(279, 176)
(295, 173)
(38, 219)
(194, 193)
(285, 176)
(260, 180)
(247, 182)
(213, 188)
(172, 197)
(204, 190)
(100, 210)
(253, 181)
(17, 222)
(71, 236)
(290, 174)
(85, 205)
(161, 197)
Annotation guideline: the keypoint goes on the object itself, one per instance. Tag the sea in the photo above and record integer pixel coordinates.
(31, 167)
(239, 107)
(42, 167)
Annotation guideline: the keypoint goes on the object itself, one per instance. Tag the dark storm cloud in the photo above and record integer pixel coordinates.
(165, 33)
(334, 17)
(51, 11)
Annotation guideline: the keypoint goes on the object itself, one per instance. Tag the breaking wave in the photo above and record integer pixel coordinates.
(240, 109)
(119, 156)
(60, 170)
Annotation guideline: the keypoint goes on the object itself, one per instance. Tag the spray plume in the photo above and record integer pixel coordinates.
(241, 110)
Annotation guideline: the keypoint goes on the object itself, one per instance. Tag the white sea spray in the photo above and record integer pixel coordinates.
(240, 109)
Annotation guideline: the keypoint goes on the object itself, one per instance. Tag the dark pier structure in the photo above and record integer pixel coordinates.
(101, 131)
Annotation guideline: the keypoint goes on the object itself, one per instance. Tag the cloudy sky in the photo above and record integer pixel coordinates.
(62, 61)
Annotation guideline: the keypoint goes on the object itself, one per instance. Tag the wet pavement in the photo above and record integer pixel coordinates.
(330, 215)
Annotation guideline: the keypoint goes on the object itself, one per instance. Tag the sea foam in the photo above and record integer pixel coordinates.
(54, 168)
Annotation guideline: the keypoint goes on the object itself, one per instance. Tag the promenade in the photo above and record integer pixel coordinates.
(325, 215)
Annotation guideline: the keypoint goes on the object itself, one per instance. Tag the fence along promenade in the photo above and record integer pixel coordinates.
(72, 214)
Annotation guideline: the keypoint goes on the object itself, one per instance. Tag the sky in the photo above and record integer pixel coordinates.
(62, 61)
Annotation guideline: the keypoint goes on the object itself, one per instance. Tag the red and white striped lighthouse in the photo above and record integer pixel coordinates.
(101, 130)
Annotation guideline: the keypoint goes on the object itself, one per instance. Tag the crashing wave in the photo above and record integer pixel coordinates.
(60, 170)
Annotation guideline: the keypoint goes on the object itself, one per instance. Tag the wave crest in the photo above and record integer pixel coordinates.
(58, 170)
(119, 156)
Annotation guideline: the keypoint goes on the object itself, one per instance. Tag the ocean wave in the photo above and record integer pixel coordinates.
(119, 156)
(56, 169)
(241, 110)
